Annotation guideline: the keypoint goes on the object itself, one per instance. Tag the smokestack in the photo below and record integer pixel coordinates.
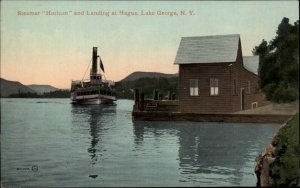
(95, 56)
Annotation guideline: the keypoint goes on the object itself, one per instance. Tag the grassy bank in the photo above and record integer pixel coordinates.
(284, 171)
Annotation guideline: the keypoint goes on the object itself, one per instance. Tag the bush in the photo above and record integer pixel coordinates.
(284, 93)
(285, 169)
(269, 90)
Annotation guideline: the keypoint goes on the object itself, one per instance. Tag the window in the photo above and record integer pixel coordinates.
(234, 87)
(194, 87)
(214, 86)
(254, 105)
(248, 87)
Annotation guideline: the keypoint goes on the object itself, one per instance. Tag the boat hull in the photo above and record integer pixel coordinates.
(93, 99)
(87, 101)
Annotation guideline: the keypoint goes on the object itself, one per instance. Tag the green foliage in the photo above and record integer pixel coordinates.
(52, 94)
(147, 85)
(285, 169)
(281, 92)
(23, 95)
(279, 63)
(285, 93)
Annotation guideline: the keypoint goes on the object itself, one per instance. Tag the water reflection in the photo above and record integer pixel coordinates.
(215, 151)
(139, 134)
(97, 117)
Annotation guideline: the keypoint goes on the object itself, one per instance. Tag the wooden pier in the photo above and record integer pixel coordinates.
(168, 110)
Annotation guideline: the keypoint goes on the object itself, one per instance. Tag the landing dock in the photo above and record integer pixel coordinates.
(168, 110)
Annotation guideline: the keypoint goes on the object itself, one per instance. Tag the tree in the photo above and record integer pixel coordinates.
(279, 63)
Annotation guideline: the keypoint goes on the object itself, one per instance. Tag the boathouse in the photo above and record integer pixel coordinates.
(215, 77)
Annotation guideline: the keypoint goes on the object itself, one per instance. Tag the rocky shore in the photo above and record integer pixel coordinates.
(278, 164)
(262, 167)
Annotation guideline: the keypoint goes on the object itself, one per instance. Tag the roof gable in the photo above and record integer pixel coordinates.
(251, 63)
(208, 49)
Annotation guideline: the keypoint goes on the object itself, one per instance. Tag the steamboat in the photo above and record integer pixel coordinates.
(94, 90)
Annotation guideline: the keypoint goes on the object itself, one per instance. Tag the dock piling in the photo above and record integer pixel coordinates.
(141, 101)
(136, 100)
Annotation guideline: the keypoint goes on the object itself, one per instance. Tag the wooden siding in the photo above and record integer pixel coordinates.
(225, 102)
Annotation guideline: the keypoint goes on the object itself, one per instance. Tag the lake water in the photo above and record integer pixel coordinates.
(50, 142)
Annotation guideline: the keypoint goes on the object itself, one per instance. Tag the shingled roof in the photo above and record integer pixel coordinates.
(208, 49)
(251, 63)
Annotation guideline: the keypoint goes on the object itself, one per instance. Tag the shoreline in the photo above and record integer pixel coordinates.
(278, 164)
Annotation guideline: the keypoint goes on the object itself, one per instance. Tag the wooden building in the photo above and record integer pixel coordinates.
(215, 77)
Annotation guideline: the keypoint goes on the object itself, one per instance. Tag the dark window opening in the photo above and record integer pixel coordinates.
(234, 87)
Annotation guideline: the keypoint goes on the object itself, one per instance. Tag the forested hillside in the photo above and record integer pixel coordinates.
(146, 82)
(148, 85)
(279, 63)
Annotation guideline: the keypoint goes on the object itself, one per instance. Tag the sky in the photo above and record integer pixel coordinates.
(55, 49)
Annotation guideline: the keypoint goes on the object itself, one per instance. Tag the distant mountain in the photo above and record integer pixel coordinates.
(137, 75)
(13, 87)
(42, 88)
(147, 82)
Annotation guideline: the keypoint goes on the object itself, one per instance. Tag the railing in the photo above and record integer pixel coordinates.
(110, 82)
